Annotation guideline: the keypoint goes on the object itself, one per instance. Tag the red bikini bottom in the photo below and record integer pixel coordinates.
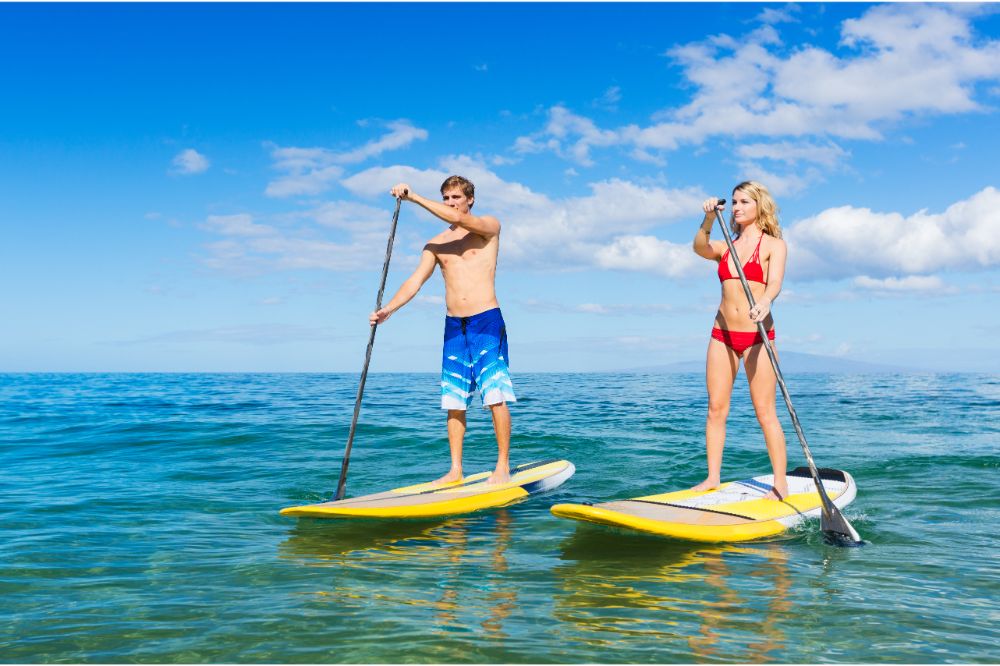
(740, 341)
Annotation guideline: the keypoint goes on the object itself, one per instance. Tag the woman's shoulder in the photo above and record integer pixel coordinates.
(772, 244)
(772, 241)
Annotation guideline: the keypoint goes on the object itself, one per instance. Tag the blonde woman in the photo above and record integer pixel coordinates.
(735, 336)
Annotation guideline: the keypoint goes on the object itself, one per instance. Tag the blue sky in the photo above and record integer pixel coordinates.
(190, 187)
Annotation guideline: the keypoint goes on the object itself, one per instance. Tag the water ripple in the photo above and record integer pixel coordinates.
(140, 523)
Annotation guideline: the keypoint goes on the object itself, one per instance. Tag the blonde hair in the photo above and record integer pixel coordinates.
(767, 210)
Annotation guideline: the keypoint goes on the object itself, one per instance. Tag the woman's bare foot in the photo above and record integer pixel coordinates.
(777, 495)
(707, 484)
(499, 476)
(451, 477)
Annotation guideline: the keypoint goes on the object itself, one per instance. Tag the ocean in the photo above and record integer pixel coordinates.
(139, 523)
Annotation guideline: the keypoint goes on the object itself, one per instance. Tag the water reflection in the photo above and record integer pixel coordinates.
(502, 597)
(711, 602)
(441, 572)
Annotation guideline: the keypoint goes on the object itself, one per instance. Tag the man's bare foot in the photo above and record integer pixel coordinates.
(775, 494)
(451, 477)
(498, 477)
(707, 484)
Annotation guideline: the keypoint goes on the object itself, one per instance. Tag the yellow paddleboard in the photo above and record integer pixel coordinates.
(734, 511)
(429, 499)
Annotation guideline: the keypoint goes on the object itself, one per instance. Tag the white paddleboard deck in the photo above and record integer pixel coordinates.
(736, 511)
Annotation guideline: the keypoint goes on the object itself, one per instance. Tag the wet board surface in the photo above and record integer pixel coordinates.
(429, 499)
(735, 511)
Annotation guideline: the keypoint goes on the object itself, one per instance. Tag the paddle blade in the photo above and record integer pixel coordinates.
(837, 530)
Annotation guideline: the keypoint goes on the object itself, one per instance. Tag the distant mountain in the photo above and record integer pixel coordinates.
(793, 363)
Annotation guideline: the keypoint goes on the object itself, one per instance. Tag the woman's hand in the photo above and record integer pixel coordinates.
(760, 311)
(709, 205)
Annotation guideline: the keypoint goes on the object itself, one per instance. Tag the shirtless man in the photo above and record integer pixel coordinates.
(475, 337)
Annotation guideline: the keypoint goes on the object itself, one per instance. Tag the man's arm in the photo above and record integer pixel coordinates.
(408, 289)
(486, 226)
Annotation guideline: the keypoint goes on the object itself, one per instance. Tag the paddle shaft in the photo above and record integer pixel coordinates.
(342, 484)
(833, 519)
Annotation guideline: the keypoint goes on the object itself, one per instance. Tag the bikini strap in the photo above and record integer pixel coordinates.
(756, 253)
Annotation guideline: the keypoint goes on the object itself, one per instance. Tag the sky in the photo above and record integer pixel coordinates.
(205, 187)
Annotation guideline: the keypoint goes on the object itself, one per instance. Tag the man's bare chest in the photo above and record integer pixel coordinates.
(469, 250)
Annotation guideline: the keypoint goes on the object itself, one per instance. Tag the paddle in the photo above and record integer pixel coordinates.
(342, 484)
(832, 521)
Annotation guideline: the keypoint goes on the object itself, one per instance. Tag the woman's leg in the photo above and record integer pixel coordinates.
(763, 381)
(721, 366)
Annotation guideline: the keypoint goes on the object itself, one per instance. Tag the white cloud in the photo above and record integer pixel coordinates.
(603, 309)
(783, 15)
(847, 242)
(909, 284)
(791, 152)
(649, 343)
(615, 226)
(893, 62)
(648, 254)
(379, 180)
(236, 225)
(609, 100)
(401, 134)
(349, 216)
(842, 350)
(311, 171)
(251, 334)
(189, 162)
(780, 184)
(562, 128)
(610, 228)
(248, 247)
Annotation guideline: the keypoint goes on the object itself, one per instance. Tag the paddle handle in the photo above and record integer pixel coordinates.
(831, 513)
(342, 483)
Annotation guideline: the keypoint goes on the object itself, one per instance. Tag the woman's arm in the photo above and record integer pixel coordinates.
(703, 246)
(775, 276)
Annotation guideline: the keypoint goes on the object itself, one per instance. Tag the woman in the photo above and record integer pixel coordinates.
(759, 246)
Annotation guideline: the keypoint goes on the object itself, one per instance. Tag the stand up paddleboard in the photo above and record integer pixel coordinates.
(734, 511)
(427, 500)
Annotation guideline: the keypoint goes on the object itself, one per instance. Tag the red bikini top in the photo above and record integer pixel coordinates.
(752, 269)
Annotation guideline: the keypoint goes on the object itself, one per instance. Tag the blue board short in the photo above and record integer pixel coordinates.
(475, 357)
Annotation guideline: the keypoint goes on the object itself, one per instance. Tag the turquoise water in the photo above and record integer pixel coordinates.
(139, 523)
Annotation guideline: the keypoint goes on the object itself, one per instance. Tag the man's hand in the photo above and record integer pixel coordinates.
(401, 191)
(379, 316)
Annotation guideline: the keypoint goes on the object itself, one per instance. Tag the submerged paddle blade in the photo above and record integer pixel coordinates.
(837, 530)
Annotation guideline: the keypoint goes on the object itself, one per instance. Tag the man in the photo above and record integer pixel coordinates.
(475, 337)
